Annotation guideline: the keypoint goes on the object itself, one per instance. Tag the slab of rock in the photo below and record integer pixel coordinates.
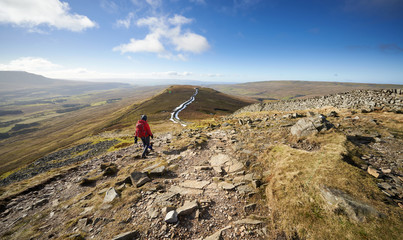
(187, 208)
(171, 217)
(245, 189)
(311, 125)
(159, 171)
(185, 191)
(217, 235)
(194, 184)
(234, 166)
(219, 160)
(372, 171)
(139, 178)
(110, 195)
(226, 186)
(128, 236)
(218, 169)
(247, 221)
(342, 202)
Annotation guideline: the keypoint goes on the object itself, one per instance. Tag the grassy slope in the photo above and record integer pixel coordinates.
(61, 131)
(289, 89)
(159, 107)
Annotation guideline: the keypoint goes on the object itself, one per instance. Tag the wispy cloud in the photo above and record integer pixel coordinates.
(32, 14)
(47, 68)
(383, 8)
(201, 2)
(127, 21)
(390, 48)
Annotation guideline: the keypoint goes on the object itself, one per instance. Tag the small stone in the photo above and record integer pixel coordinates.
(372, 171)
(226, 186)
(82, 223)
(250, 207)
(171, 217)
(110, 195)
(248, 221)
(386, 170)
(128, 236)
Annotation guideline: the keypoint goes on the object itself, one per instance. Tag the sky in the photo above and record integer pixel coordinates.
(206, 40)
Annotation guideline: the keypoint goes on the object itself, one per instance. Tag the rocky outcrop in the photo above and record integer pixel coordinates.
(366, 100)
(311, 125)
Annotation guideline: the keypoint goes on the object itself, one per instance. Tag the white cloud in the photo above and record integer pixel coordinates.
(34, 13)
(166, 35)
(154, 3)
(125, 22)
(29, 64)
(46, 68)
(150, 43)
(190, 42)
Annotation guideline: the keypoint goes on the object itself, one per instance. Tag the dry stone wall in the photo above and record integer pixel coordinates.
(365, 100)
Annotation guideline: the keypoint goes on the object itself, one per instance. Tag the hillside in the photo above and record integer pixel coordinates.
(281, 90)
(16, 85)
(310, 173)
(208, 103)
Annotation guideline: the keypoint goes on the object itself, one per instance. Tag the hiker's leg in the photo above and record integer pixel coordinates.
(145, 145)
(147, 141)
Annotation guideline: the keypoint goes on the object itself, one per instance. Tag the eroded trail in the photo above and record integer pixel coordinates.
(174, 115)
(206, 185)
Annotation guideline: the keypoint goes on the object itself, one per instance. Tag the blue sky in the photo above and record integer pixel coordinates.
(208, 40)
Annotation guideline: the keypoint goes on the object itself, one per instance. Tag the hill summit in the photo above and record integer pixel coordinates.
(320, 172)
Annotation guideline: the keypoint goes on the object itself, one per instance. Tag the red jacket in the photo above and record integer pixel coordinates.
(147, 128)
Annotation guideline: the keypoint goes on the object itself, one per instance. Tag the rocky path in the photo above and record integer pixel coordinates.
(174, 115)
(203, 192)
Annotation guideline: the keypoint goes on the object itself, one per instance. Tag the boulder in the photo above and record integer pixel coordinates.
(139, 178)
(187, 208)
(311, 125)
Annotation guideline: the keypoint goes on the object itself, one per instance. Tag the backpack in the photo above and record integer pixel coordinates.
(141, 130)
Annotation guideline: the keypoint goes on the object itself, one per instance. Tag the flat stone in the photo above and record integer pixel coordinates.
(226, 186)
(384, 185)
(185, 191)
(386, 170)
(127, 236)
(218, 169)
(351, 207)
(372, 171)
(245, 189)
(82, 223)
(171, 217)
(143, 181)
(139, 178)
(110, 195)
(217, 235)
(249, 207)
(194, 184)
(234, 166)
(247, 221)
(219, 160)
(187, 208)
(158, 171)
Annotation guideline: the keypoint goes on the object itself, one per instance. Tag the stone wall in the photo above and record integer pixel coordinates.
(365, 100)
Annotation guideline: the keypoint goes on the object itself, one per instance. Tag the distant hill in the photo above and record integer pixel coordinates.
(208, 102)
(280, 90)
(18, 83)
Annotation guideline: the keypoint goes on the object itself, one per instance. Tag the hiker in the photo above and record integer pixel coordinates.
(143, 131)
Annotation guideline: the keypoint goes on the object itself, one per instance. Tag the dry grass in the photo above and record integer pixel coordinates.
(298, 208)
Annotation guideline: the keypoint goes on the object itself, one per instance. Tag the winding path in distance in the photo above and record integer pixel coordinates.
(174, 115)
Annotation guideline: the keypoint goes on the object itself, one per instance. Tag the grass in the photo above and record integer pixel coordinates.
(64, 130)
(293, 193)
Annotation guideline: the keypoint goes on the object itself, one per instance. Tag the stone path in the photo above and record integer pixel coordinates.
(199, 193)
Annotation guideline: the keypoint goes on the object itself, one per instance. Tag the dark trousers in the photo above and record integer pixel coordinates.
(146, 145)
